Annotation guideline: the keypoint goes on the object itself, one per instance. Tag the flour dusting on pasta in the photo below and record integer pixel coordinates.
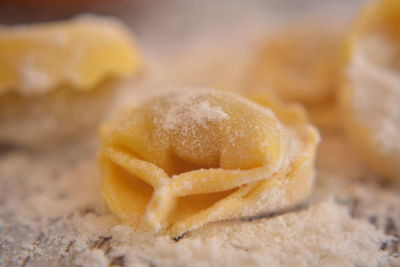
(189, 107)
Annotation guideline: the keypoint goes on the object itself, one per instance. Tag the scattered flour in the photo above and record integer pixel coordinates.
(93, 258)
(71, 224)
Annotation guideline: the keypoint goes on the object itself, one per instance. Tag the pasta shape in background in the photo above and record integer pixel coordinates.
(185, 158)
(370, 94)
(56, 78)
(301, 63)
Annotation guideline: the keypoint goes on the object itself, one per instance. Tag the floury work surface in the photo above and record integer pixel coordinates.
(53, 213)
(52, 209)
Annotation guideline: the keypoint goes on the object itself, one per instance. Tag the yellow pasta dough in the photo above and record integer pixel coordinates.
(79, 52)
(56, 79)
(370, 95)
(301, 64)
(185, 158)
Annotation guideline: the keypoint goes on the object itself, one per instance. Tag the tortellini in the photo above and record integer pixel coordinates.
(185, 158)
(56, 79)
(301, 64)
(370, 94)
(80, 52)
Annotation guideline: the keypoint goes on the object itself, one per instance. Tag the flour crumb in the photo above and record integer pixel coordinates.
(28, 247)
(34, 80)
(121, 232)
(93, 258)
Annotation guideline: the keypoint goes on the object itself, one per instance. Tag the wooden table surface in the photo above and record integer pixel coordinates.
(51, 209)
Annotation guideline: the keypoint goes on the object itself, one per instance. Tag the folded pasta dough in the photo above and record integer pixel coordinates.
(58, 79)
(301, 63)
(79, 52)
(186, 158)
(370, 93)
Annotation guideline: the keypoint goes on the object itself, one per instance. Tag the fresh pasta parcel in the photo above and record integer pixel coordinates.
(57, 79)
(370, 93)
(181, 159)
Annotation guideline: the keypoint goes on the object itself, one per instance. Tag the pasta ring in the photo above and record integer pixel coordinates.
(57, 79)
(370, 93)
(80, 53)
(185, 158)
(301, 64)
